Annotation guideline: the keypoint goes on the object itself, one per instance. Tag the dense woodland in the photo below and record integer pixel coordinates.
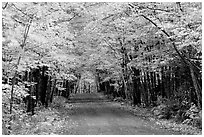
(148, 54)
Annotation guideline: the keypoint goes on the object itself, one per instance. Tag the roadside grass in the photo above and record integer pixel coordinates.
(146, 113)
(54, 120)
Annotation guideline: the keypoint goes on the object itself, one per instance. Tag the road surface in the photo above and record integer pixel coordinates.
(96, 115)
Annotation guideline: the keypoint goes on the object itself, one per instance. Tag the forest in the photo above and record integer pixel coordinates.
(148, 54)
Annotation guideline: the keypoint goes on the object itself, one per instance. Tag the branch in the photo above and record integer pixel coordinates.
(147, 7)
(157, 9)
(26, 32)
(110, 45)
(183, 57)
(18, 62)
(196, 59)
(107, 17)
(179, 5)
(18, 21)
(67, 20)
(30, 16)
(5, 6)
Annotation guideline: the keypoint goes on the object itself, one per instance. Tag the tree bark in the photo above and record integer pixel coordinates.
(53, 89)
(197, 88)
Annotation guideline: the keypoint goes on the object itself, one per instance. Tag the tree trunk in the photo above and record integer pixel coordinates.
(197, 88)
(48, 91)
(136, 85)
(17, 64)
(44, 81)
(163, 82)
(148, 88)
(125, 87)
(145, 85)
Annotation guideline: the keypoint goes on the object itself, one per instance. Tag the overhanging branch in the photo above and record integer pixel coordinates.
(4, 7)
(183, 57)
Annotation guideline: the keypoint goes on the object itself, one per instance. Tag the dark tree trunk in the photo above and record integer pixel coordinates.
(48, 91)
(163, 82)
(136, 85)
(197, 87)
(67, 89)
(53, 90)
(145, 85)
(36, 79)
(148, 88)
(97, 81)
(154, 92)
(44, 78)
(159, 89)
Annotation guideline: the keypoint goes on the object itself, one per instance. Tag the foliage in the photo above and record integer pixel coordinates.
(19, 107)
(181, 112)
(58, 34)
(44, 122)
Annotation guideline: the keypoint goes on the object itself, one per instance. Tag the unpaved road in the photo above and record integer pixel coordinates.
(95, 115)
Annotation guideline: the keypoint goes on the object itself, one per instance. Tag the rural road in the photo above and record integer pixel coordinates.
(96, 115)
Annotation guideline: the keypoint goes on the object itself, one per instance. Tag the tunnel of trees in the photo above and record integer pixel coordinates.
(141, 52)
